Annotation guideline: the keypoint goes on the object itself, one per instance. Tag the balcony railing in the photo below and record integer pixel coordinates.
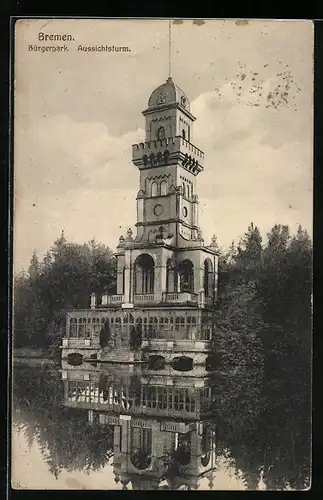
(111, 299)
(144, 298)
(175, 427)
(179, 297)
(172, 144)
(174, 297)
(80, 342)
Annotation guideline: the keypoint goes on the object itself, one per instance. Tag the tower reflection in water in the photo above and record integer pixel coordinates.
(163, 436)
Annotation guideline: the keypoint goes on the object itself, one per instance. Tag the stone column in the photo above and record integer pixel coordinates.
(162, 272)
(93, 301)
(195, 444)
(117, 438)
(120, 289)
(216, 273)
(157, 284)
(201, 298)
(195, 211)
(157, 446)
(140, 209)
(125, 433)
(127, 277)
(198, 277)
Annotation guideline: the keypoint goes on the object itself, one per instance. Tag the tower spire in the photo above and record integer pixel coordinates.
(169, 48)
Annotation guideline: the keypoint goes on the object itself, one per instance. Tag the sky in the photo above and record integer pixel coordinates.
(77, 114)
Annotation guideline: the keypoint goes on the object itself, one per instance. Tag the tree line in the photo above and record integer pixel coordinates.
(62, 281)
(264, 308)
(263, 303)
(263, 340)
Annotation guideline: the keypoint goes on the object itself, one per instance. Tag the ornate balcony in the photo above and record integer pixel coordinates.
(111, 299)
(163, 152)
(180, 427)
(167, 298)
(143, 298)
(180, 297)
(80, 342)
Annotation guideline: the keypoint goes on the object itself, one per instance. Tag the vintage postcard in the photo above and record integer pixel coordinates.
(162, 281)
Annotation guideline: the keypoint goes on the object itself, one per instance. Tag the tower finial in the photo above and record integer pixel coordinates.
(169, 48)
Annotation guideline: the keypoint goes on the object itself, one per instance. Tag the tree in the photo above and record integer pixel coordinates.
(249, 253)
(104, 270)
(135, 340)
(59, 246)
(47, 262)
(64, 280)
(66, 439)
(105, 335)
(34, 267)
(238, 319)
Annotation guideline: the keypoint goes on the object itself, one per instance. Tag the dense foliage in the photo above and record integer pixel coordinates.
(66, 438)
(264, 337)
(63, 280)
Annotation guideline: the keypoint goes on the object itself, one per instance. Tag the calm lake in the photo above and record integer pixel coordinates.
(114, 427)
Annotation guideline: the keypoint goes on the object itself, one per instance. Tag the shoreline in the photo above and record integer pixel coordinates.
(32, 355)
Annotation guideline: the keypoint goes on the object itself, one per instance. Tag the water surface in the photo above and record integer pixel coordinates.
(120, 427)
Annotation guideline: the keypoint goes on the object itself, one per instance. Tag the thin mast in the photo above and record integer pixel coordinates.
(169, 48)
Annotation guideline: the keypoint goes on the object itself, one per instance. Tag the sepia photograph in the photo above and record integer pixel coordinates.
(162, 254)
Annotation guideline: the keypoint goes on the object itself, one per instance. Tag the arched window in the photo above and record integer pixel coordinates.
(183, 134)
(161, 133)
(184, 190)
(152, 159)
(166, 157)
(159, 158)
(145, 159)
(208, 278)
(189, 133)
(186, 276)
(73, 327)
(206, 447)
(183, 449)
(163, 188)
(154, 189)
(144, 274)
(82, 327)
(140, 447)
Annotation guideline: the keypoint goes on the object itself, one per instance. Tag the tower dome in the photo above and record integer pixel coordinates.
(168, 93)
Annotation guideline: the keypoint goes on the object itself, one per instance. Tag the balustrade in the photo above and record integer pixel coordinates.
(180, 297)
(143, 298)
(111, 299)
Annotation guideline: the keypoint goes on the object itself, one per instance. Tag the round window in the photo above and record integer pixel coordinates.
(184, 211)
(158, 210)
